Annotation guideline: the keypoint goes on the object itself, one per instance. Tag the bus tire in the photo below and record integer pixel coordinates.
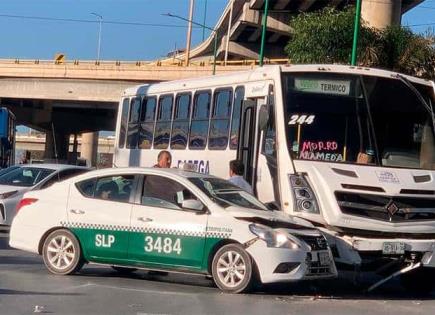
(232, 269)
(61, 253)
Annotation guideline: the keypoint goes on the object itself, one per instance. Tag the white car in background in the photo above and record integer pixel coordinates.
(168, 220)
(18, 179)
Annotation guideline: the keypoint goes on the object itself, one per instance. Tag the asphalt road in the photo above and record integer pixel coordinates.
(26, 287)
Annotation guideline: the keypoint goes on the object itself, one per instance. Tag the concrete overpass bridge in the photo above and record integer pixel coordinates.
(239, 27)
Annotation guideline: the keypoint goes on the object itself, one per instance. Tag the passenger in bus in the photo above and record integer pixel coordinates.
(365, 157)
(236, 175)
(164, 159)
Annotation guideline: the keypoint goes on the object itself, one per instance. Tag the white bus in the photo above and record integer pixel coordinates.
(350, 149)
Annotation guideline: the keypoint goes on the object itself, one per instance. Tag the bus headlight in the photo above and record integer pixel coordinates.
(304, 198)
(273, 238)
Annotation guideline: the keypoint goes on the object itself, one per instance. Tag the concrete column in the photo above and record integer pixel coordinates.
(72, 156)
(89, 148)
(380, 14)
(49, 148)
(60, 147)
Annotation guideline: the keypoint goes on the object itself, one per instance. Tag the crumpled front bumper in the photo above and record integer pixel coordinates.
(306, 263)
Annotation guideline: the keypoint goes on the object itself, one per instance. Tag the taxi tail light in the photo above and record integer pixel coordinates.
(25, 202)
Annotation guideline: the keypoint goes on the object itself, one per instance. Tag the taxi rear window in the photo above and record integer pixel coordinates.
(87, 187)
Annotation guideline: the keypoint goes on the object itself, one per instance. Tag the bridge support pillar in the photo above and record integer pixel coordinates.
(380, 14)
(56, 147)
(89, 148)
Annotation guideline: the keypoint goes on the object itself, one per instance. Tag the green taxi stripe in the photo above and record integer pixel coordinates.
(109, 227)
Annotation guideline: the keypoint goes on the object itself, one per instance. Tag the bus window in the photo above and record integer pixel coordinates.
(180, 126)
(147, 117)
(200, 121)
(220, 120)
(235, 120)
(133, 123)
(123, 127)
(162, 131)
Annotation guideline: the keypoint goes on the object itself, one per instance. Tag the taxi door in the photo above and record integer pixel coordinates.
(99, 212)
(163, 234)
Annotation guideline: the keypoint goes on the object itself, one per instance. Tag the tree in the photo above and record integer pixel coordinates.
(326, 37)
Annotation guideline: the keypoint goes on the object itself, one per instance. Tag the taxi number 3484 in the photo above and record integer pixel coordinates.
(165, 245)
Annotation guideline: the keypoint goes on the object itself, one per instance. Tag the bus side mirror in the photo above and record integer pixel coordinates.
(263, 117)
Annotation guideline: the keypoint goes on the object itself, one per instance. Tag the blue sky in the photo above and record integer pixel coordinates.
(42, 39)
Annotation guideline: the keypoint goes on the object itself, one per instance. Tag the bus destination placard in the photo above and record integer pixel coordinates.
(334, 87)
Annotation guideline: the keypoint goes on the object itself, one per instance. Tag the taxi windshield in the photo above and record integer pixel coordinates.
(226, 194)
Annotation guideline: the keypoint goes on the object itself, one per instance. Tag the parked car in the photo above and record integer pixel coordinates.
(18, 179)
(168, 220)
(8, 169)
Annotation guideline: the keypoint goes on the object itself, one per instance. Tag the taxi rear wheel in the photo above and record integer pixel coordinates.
(232, 269)
(61, 253)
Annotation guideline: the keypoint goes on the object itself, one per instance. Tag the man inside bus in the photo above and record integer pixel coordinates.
(236, 176)
(164, 159)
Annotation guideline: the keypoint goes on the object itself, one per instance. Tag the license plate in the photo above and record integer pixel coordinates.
(392, 248)
(324, 259)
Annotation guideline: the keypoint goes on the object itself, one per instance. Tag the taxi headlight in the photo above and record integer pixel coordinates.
(273, 238)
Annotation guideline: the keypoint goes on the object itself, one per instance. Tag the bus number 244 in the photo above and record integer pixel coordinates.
(301, 119)
(165, 245)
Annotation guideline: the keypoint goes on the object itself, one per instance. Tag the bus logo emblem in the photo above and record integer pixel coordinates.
(391, 208)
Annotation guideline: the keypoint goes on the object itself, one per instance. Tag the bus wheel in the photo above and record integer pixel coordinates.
(232, 269)
(61, 253)
(124, 270)
(420, 280)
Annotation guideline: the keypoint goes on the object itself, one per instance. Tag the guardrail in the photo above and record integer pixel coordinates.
(138, 63)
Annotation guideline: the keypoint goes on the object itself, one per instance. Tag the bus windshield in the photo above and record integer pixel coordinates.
(226, 194)
(359, 119)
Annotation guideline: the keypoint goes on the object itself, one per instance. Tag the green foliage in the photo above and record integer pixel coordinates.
(326, 37)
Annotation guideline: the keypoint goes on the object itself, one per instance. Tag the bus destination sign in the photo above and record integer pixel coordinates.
(334, 87)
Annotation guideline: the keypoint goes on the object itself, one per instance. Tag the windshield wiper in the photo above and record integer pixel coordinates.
(420, 97)
(227, 190)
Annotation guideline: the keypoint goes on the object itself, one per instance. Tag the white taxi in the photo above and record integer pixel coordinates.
(168, 220)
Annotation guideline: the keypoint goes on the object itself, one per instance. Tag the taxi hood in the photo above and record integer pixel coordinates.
(273, 219)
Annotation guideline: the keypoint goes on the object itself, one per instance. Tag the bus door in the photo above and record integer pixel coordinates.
(260, 167)
(247, 143)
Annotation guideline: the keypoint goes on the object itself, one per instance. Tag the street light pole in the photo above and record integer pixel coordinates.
(189, 32)
(356, 32)
(204, 26)
(263, 32)
(100, 18)
(205, 20)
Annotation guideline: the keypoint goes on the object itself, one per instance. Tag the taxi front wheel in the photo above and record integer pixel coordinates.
(61, 253)
(232, 269)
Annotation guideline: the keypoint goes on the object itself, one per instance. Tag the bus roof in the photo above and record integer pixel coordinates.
(259, 74)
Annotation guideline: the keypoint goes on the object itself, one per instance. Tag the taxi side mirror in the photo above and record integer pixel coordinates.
(192, 204)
